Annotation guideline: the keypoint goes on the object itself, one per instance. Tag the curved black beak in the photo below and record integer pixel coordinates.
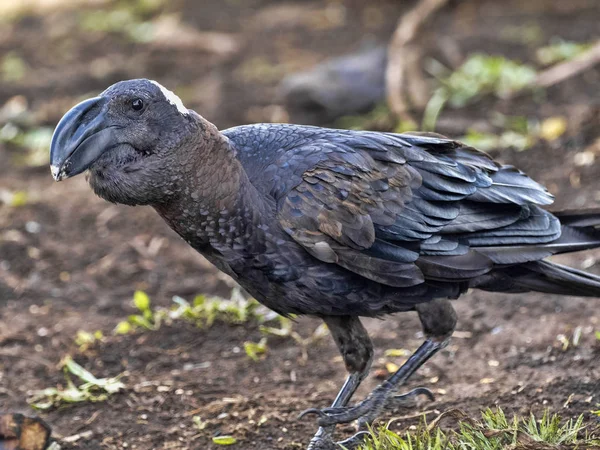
(80, 138)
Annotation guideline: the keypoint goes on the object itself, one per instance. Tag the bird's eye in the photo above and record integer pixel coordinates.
(137, 104)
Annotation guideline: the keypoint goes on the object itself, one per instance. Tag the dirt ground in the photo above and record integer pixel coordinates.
(79, 267)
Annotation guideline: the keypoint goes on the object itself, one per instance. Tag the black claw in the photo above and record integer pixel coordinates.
(333, 416)
(354, 441)
(308, 411)
(426, 392)
(415, 392)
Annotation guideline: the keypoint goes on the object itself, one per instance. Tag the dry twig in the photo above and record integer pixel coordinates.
(401, 52)
(567, 69)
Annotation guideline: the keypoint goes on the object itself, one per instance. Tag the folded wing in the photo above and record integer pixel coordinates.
(402, 208)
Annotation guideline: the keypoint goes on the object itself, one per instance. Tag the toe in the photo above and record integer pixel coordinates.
(316, 411)
(333, 416)
(355, 441)
(403, 399)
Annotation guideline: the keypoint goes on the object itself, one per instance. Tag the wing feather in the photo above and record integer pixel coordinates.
(402, 209)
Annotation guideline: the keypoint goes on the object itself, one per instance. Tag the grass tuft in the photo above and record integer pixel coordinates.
(493, 432)
(204, 311)
(478, 76)
(92, 390)
(560, 50)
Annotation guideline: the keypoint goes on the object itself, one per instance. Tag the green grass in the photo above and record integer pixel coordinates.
(494, 431)
(478, 76)
(380, 118)
(516, 132)
(130, 19)
(286, 330)
(92, 390)
(560, 50)
(203, 311)
(33, 143)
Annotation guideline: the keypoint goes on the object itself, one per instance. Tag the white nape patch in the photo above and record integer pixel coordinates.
(171, 98)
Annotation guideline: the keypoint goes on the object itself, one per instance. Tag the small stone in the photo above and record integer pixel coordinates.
(32, 227)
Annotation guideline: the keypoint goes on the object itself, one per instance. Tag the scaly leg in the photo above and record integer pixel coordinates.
(356, 348)
(438, 319)
(323, 439)
(370, 408)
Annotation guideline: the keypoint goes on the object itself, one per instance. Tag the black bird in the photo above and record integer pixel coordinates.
(332, 223)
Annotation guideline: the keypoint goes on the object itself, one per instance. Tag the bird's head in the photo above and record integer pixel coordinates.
(128, 138)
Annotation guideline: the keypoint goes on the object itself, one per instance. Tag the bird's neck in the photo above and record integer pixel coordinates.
(217, 207)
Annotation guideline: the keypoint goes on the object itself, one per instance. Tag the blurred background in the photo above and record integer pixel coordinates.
(518, 79)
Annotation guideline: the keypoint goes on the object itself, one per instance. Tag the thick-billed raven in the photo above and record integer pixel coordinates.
(333, 223)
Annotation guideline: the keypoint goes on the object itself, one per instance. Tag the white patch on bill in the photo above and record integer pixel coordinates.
(54, 171)
(171, 98)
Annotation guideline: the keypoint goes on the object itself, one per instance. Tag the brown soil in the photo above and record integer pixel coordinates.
(80, 270)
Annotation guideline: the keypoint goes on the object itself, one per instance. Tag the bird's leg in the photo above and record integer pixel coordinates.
(356, 348)
(323, 438)
(438, 319)
(370, 408)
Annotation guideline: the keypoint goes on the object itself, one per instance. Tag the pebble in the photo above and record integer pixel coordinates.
(33, 227)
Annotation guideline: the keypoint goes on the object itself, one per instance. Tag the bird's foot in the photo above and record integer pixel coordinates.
(367, 410)
(323, 441)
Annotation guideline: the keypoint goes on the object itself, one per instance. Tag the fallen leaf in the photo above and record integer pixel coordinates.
(18, 432)
(552, 128)
(224, 440)
(394, 352)
(391, 367)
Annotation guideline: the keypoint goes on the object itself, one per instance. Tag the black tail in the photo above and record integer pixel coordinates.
(545, 276)
(579, 218)
(580, 231)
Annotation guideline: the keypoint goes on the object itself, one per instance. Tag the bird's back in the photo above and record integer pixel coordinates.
(275, 156)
